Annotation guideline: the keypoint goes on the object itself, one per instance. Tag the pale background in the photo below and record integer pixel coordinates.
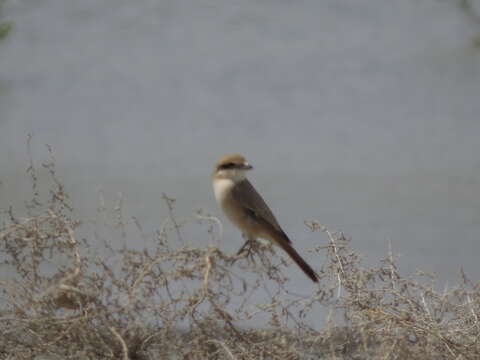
(363, 115)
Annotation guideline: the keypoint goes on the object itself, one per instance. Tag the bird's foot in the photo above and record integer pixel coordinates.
(252, 247)
(248, 249)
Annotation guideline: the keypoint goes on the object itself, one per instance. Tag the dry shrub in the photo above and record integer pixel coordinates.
(69, 299)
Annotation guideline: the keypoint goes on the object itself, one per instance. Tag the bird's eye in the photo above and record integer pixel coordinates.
(227, 166)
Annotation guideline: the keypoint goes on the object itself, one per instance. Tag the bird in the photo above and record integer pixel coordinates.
(247, 210)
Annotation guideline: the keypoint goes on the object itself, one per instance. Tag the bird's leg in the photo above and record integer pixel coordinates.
(250, 246)
(247, 240)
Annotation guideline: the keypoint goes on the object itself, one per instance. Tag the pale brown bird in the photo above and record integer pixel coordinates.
(246, 209)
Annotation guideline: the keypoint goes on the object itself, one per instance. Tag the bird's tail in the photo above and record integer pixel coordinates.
(307, 269)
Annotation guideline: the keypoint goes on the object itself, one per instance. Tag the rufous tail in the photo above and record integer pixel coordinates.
(285, 245)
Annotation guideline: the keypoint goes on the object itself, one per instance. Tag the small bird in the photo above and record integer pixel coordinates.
(246, 209)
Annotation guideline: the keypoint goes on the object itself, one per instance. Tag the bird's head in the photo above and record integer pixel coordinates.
(231, 166)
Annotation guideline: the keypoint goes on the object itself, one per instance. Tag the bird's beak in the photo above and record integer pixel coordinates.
(247, 166)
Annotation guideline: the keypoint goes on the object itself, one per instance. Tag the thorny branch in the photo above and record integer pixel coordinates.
(66, 298)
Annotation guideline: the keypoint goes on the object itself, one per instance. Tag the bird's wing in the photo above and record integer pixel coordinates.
(256, 208)
(245, 194)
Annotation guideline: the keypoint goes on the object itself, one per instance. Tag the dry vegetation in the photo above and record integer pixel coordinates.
(70, 298)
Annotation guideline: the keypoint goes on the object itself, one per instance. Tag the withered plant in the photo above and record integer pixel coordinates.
(64, 296)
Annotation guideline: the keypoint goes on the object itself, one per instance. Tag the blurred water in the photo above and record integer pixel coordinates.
(361, 114)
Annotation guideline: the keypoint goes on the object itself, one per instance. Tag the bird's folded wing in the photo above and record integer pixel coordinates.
(246, 195)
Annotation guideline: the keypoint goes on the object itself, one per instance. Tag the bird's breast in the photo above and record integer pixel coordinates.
(233, 209)
(222, 189)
